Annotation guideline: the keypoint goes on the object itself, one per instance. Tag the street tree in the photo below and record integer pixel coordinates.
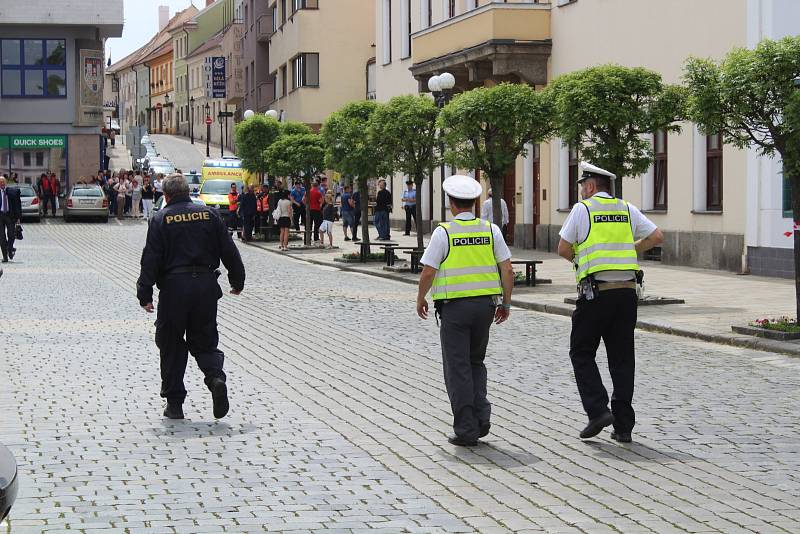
(406, 126)
(607, 113)
(253, 136)
(351, 151)
(751, 99)
(294, 156)
(488, 128)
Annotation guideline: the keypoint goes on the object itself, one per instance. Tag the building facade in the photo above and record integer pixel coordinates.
(719, 207)
(258, 24)
(319, 53)
(52, 75)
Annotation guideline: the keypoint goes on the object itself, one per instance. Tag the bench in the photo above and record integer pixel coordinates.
(389, 252)
(416, 255)
(530, 270)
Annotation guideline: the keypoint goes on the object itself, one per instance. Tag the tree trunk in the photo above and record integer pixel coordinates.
(363, 193)
(794, 182)
(307, 230)
(418, 208)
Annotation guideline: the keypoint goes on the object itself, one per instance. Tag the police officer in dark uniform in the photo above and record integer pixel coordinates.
(185, 243)
(602, 237)
(467, 268)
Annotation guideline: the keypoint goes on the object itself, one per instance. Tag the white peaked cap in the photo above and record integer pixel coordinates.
(460, 186)
(589, 171)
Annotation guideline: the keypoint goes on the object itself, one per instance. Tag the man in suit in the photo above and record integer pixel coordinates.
(10, 214)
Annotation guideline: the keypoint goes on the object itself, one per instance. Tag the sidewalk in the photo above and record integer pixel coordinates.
(120, 156)
(715, 300)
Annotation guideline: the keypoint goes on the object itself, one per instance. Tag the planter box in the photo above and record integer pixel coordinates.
(763, 332)
(357, 260)
(647, 301)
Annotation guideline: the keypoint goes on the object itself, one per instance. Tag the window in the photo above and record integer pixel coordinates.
(274, 78)
(787, 198)
(305, 71)
(387, 31)
(34, 68)
(425, 14)
(371, 79)
(660, 170)
(572, 175)
(714, 172)
(40, 159)
(451, 8)
(274, 18)
(283, 12)
(284, 80)
(26, 159)
(472, 4)
(297, 5)
(405, 27)
(247, 80)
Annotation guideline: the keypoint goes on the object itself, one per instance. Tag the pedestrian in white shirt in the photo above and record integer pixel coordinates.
(487, 215)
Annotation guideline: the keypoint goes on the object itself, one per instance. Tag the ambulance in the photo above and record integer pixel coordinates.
(217, 175)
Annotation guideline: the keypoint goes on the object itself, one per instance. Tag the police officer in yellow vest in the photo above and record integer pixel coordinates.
(602, 237)
(467, 267)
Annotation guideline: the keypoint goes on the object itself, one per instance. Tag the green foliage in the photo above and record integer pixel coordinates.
(748, 96)
(296, 154)
(606, 110)
(487, 128)
(293, 127)
(349, 148)
(253, 136)
(406, 126)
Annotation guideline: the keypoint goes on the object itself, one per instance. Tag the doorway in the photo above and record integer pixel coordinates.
(509, 194)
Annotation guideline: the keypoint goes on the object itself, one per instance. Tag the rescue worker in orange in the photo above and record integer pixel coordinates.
(262, 207)
(233, 208)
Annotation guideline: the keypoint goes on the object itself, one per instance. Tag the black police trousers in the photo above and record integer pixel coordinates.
(464, 335)
(187, 306)
(611, 315)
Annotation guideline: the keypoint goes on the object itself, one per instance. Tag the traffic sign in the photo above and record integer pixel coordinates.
(158, 105)
(209, 121)
(225, 114)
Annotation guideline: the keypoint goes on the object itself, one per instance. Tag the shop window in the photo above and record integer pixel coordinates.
(572, 175)
(714, 172)
(26, 159)
(660, 170)
(34, 68)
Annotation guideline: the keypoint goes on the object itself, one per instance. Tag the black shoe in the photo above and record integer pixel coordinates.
(461, 442)
(5, 260)
(173, 411)
(484, 430)
(596, 425)
(406, 234)
(11, 253)
(219, 393)
(347, 238)
(622, 437)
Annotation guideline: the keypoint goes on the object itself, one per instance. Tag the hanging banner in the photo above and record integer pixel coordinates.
(208, 68)
(218, 77)
(90, 102)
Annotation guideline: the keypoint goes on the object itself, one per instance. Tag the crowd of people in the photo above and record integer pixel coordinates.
(129, 193)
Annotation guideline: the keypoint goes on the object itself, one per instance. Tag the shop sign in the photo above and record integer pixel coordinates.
(22, 142)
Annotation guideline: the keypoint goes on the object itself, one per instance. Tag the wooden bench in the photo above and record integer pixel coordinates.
(416, 255)
(530, 270)
(389, 252)
(365, 247)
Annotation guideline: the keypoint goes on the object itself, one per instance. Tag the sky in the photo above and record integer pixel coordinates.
(141, 24)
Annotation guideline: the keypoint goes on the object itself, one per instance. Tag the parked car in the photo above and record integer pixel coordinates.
(86, 200)
(31, 207)
(161, 165)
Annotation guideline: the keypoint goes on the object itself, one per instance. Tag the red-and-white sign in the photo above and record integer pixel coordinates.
(158, 105)
(209, 120)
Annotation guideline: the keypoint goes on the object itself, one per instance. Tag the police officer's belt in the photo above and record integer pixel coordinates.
(604, 286)
(193, 269)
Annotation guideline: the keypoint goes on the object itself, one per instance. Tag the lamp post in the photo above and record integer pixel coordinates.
(208, 130)
(441, 87)
(221, 118)
(191, 119)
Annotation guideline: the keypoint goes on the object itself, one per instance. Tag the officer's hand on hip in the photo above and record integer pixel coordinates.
(235, 291)
(422, 308)
(501, 314)
(148, 307)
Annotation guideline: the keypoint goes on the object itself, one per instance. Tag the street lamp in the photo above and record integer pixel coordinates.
(441, 87)
(191, 119)
(208, 130)
(797, 83)
(271, 113)
(249, 113)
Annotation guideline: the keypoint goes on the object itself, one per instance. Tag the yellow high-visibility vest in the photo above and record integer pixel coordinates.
(470, 269)
(610, 244)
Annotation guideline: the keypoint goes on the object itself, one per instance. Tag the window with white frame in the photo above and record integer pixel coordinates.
(305, 70)
(405, 28)
(425, 13)
(387, 31)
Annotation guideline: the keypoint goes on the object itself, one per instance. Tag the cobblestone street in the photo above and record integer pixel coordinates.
(339, 416)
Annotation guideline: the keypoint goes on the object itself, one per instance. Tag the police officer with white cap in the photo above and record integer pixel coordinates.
(468, 267)
(602, 237)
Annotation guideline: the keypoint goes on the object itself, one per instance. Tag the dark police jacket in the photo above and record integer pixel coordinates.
(184, 236)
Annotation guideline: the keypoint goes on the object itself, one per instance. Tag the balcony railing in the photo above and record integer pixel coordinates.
(264, 29)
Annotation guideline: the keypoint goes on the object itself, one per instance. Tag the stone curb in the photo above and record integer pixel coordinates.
(756, 343)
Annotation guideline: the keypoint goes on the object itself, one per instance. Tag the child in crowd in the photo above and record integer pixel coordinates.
(328, 216)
